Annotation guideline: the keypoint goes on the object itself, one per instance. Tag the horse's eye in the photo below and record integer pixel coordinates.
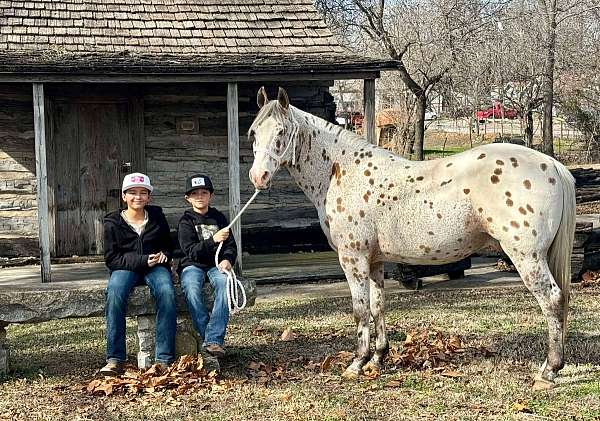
(280, 132)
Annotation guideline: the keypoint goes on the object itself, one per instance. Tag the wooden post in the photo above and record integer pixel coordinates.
(233, 136)
(41, 173)
(369, 107)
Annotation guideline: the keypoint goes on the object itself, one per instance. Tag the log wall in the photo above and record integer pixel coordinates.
(171, 156)
(18, 211)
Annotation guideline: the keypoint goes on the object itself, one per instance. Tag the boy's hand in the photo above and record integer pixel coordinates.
(224, 265)
(221, 235)
(157, 258)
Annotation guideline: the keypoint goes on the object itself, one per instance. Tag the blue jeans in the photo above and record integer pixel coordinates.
(119, 287)
(211, 328)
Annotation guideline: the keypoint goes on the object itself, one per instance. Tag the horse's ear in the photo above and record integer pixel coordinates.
(283, 99)
(261, 97)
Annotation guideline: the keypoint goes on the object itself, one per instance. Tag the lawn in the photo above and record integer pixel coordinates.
(501, 331)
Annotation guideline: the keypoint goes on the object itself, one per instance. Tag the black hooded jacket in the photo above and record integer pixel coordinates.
(195, 234)
(124, 249)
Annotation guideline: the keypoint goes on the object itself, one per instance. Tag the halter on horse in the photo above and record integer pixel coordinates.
(375, 206)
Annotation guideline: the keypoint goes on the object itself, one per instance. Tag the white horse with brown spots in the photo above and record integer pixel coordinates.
(375, 206)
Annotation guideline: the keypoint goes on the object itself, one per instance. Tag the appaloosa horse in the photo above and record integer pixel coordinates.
(375, 206)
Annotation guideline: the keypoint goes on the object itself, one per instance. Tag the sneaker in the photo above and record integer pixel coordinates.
(112, 369)
(215, 350)
(211, 363)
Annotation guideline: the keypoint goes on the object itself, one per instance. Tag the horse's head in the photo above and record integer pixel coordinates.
(272, 134)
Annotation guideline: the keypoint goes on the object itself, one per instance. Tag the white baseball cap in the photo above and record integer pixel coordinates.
(136, 179)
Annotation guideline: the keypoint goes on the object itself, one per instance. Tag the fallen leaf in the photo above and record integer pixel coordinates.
(393, 383)
(288, 335)
(326, 364)
(521, 406)
(285, 397)
(452, 373)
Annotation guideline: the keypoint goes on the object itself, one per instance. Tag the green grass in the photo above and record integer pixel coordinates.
(51, 361)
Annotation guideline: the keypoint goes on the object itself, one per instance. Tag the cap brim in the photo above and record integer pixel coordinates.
(199, 188)
(149, 188)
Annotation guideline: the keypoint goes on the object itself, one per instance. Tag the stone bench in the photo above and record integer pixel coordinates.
(37, 302)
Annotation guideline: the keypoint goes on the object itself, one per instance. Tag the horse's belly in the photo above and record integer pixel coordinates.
(419, 240)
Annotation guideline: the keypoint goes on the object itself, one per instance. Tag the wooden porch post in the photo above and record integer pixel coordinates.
(369, 107)
(41, 173)
(233, 136)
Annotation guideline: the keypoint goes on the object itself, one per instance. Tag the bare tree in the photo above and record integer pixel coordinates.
(425, 37)
(554, 13)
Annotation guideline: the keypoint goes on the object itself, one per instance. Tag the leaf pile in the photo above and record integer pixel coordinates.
(503, 265)
(269, 373)
(426, 350)
(186, 374)
(590, 278)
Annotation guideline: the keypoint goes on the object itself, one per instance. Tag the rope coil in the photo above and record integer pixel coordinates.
(235, 289)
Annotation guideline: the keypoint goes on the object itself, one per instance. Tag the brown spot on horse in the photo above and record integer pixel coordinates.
(494, 178)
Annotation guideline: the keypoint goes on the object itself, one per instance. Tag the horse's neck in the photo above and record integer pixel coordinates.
(320, 144)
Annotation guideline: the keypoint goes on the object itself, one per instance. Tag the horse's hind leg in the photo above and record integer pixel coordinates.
(539, 280)
(356, 269)
(377, 303)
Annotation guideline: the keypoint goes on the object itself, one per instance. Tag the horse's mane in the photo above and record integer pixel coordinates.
(300, 117)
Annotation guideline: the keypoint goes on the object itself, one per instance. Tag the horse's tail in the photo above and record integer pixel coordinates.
(559, 255)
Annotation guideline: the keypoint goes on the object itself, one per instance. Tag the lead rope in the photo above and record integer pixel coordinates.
(235, 289)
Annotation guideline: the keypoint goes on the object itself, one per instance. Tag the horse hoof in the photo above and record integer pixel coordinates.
(349, 374)
(542, 384)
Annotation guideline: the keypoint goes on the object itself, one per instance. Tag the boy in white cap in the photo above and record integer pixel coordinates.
(137, 249)
(200, 231)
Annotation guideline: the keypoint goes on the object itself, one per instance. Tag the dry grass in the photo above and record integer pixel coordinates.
(52, 360)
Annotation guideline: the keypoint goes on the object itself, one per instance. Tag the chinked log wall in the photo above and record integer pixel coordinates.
(18, 208)
(171, 156)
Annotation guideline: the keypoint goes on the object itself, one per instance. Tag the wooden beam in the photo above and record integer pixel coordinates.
(41, 173)
(233, 137)
(184, 78)
(369, 107)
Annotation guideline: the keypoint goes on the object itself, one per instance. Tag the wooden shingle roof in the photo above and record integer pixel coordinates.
(159, 36)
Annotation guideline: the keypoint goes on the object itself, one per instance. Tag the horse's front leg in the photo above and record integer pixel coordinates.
(356, 269)
(377, 302)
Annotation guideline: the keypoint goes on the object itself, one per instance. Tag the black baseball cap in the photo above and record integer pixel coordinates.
(198, 181)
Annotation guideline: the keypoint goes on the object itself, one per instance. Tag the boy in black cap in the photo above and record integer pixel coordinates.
(200, 231)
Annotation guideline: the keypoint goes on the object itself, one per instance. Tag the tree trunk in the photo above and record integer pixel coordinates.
(529, 129)
(420, 126)
(548, 80)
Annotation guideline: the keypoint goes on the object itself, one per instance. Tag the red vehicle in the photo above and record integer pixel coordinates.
(496, 111)
(353, 120)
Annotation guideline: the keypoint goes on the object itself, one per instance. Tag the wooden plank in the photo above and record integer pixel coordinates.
(189, 78)
(51, 163)
(42, 179)
(136, 131)
(103, 132)
(233, 136)
(68, 217)
(369, 107)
